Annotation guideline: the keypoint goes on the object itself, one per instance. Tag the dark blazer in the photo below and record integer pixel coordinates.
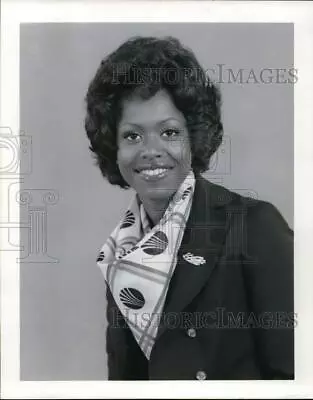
(229, 318)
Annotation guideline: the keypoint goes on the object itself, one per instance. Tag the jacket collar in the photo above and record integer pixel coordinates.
(204, 236)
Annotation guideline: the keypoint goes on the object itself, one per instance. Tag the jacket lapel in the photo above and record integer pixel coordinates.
(204, 236)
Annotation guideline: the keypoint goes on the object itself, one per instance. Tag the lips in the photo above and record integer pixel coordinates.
(152, 167)
(153, 173)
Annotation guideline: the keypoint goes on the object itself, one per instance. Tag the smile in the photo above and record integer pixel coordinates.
(153, 174)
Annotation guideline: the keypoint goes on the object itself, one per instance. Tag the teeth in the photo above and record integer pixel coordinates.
(153, 172)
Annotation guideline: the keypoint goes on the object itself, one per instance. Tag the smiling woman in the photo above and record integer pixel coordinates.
(185, 249)
(154, 154)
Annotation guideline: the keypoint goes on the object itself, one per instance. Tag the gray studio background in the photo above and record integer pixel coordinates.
(63, 303)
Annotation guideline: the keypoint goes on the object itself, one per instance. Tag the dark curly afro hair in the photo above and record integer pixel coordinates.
(145, 65)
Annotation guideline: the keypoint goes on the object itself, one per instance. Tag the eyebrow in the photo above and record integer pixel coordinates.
(159, 123)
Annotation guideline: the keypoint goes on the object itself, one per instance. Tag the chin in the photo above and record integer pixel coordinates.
(160, 194)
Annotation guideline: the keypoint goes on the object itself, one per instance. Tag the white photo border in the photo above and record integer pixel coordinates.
(298, 13)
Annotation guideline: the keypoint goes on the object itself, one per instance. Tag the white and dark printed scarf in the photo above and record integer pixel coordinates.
(138, 262)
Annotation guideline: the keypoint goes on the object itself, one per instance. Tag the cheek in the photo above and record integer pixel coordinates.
(182, 153)
(125, 158)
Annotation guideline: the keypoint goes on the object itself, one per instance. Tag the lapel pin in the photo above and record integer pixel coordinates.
(195, 260)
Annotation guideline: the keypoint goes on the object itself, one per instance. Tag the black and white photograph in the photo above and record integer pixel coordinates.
(149, 193)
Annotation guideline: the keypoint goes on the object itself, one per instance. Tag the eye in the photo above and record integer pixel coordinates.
(131, 136)
(170, 132)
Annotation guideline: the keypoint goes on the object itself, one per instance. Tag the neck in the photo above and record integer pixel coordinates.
(155, 209)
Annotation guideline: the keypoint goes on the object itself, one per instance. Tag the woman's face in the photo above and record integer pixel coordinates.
(154, 155)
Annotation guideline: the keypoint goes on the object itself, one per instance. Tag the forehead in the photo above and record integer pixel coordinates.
(154, 110)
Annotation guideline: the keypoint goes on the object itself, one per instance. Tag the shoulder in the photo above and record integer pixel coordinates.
(259, 215)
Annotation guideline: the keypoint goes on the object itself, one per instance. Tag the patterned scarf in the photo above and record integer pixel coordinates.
(138, 262)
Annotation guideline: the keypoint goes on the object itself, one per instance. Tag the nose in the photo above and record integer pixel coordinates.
(152, 148)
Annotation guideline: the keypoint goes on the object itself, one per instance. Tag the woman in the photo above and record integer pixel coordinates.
(199, 279)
